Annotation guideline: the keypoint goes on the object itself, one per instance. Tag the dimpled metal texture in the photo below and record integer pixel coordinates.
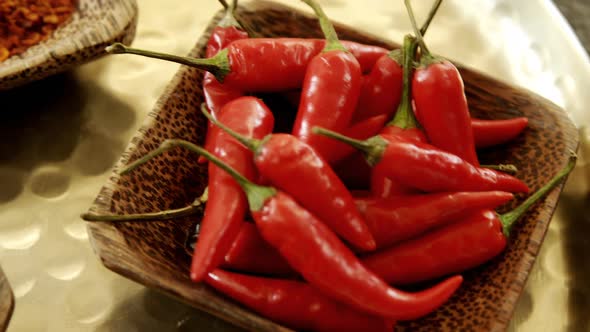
(61, 137)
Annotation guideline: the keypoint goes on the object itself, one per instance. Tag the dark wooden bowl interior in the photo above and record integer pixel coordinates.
(155, 254)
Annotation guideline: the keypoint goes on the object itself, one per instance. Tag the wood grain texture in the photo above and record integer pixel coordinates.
(155, 254)
(6, 302)
(94, 25)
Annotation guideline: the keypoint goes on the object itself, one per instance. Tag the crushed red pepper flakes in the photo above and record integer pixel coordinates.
(24, 23)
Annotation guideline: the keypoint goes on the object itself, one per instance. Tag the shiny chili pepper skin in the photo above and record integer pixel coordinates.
(399, 218)
(221, 36)
(381, 184)
(327, 264)
(442, 110)
(488, 133)
(250, 253)
(329, 97)
(276, 64)
(336, 151)
(294, 167)
(367, 55)
(227, 204)
(295, 304)
(381, 90)
(217, 94)
(451, 249)
(427, 168)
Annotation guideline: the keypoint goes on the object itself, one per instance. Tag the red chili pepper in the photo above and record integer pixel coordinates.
(314, 251)
(438, 93)
(403, 125)
(226, 205)
(336, 151)
(250, 253)
(488, 133)
(455, 247)
(294, 167)
(330, 90)
(381, 90)
(260, 64)
(295, 304)
(216, 94)
(398, 218)
(424, 167)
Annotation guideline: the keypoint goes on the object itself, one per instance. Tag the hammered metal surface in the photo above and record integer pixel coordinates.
(62, 135)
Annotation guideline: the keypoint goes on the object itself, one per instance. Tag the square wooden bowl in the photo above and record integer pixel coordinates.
(6, 302)
(154, 253)
(94, 25)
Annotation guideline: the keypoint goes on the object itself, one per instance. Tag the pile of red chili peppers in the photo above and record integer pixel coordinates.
(283, 231)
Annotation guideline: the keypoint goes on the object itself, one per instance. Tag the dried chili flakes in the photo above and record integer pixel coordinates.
(24, 23)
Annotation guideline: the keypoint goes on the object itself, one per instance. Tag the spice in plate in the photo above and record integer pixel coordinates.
(24, 23)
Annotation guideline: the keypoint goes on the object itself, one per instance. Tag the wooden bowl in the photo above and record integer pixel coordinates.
(94, 25)
(154, 253)
(6, 302)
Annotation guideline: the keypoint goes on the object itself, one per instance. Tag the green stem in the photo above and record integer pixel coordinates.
(508, 219)
(332, 42)
(415, 27)
(404, 117)
(256, 194)
(372, 148)
(217, 65)
(506, 168)
(229, 20)
(396, 54)
(251, 143)
(431, 15)
(192, 209)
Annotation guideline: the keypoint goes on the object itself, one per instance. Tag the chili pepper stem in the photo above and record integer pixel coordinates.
(229, 19)
(250, 143)
(332, 42)
(372, 147)
(507, 168)
(417, 32)
(404, 117)
(508, 219)
(217, 65)
(431, 15)
(196, 206)
(256, 194)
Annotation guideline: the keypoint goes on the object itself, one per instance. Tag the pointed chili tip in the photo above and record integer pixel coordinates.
(116, 48)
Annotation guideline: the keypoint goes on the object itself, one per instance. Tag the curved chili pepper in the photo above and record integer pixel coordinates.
(330, 89)
(427, 168)
(494, 132)
(250, 253)
(258, 64)
(455, 247)
(295, 304)
(294, 167)
(216, 94)
(226, 204)
(326, 263)
(398, 218)
(439, 96)
(314, 251)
